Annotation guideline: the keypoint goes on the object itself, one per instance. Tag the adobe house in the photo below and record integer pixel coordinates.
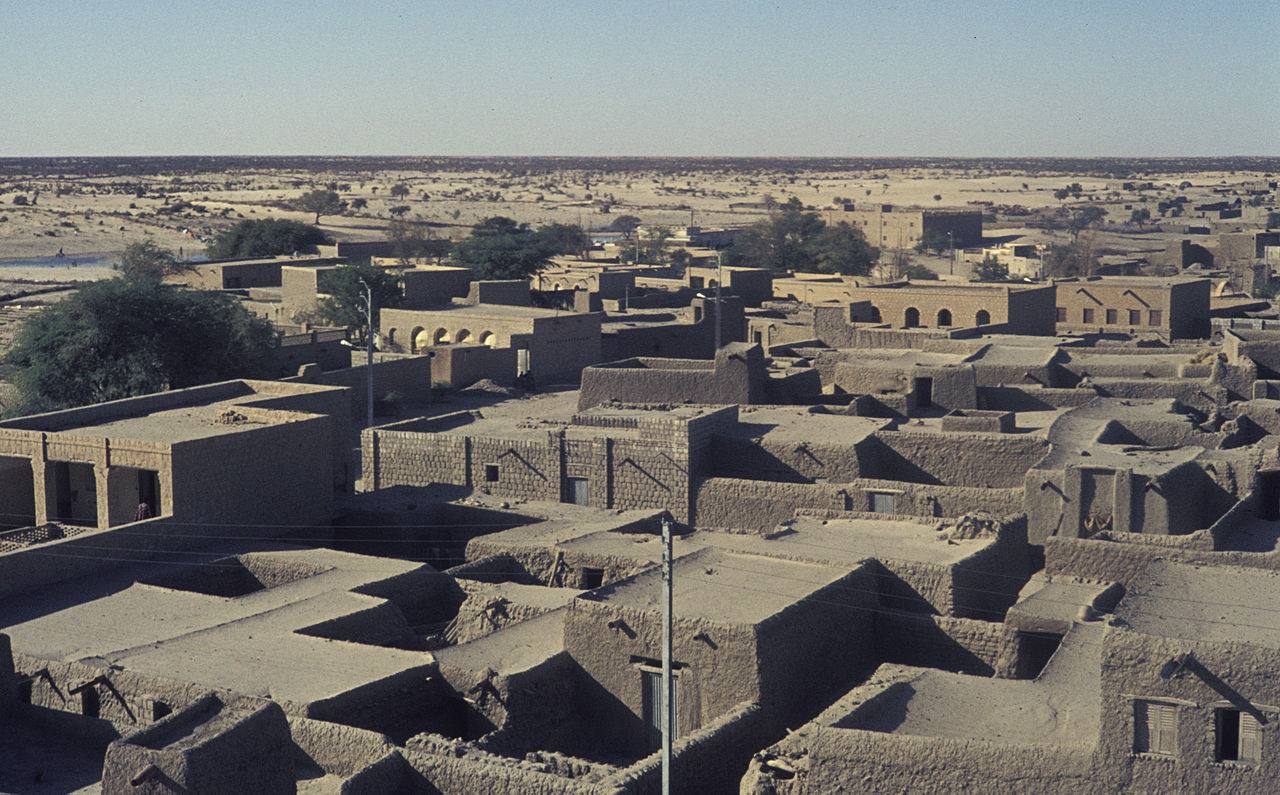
(737, 374)
(748, 629)
(1171, 307)
(554, 346)
(191, 454)
(543, 449)
(1010, 309)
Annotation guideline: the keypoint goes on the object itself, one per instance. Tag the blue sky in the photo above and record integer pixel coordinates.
(739, 78)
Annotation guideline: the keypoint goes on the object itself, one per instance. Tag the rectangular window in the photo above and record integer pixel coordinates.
(1155, 728)
(651, 683)
(1087, 316)
(1239, 737)
(1113, 317)
(882, 502)
(1062, 314)
(1155, 317)
(1135, 317)
(490, 473)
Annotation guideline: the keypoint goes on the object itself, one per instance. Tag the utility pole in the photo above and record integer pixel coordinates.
(368, 293)
(719, 281)
(667, 717)
(951, 244)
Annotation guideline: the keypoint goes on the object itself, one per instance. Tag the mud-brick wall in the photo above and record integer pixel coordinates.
(991, 460)
(758, 505)
(798, 462)
(1223, 675)
(651, 475)
(605, 639)
(1122, 562)
(851, 760)
(965, 645)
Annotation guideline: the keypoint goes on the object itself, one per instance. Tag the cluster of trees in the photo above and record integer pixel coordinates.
(264, 238)
(501, 248)
(321, 202)
(133, 335)
(795, 239)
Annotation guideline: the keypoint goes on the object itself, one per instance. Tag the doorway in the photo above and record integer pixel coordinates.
(1269, 495)
(924, 393)
(577, 491)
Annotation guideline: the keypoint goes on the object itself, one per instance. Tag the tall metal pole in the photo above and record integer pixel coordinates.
(667, 718)
(369, 346)
(951, 243)
(719, 281)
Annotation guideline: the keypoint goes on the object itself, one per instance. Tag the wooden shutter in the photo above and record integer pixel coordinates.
(1167, 724)
(1250, 739)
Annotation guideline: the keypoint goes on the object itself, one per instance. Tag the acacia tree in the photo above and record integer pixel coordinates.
(345, 303)
(118, 338)
(626, 224)
(793, 238)
(500, 248)
(321, 202)
(399, 190)
(148, 260)
(266, 237)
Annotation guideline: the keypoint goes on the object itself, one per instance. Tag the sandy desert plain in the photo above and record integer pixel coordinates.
(90, 209)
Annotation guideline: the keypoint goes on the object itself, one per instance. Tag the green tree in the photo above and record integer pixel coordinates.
(1084, 218)
(626, 224)
(793, 238)
(933, 240)
(148, 260)
(991, 270)
(648, 247)
(565, 238)
(118, 338)
(1140, 216)
(1069, 259)
(344, 303)
(500, 248)
(359, 203)
(399, 190)
(321, 202)
(842, 249)
(268, 237)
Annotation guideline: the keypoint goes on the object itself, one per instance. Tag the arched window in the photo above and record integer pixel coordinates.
(875, 314)
(462, 336)
(983, 318)
(416, 340)
(441, 335)
(944, 318)
(488, 338)
(911, 318)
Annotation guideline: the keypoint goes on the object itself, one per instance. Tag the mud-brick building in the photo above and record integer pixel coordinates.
(237, 451)
(1170, 307)
(1174, 693)
(1006, 308)
(748, 629)
(552, 345)
(606, 457)
(887, 226)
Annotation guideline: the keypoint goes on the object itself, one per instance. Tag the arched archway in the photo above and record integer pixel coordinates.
(390, 338)
(944, 318)
(983, 318)
(462, 336)
(488, 338)
(911, 318)
(875, 314)
(441, 335)
(417, 340)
